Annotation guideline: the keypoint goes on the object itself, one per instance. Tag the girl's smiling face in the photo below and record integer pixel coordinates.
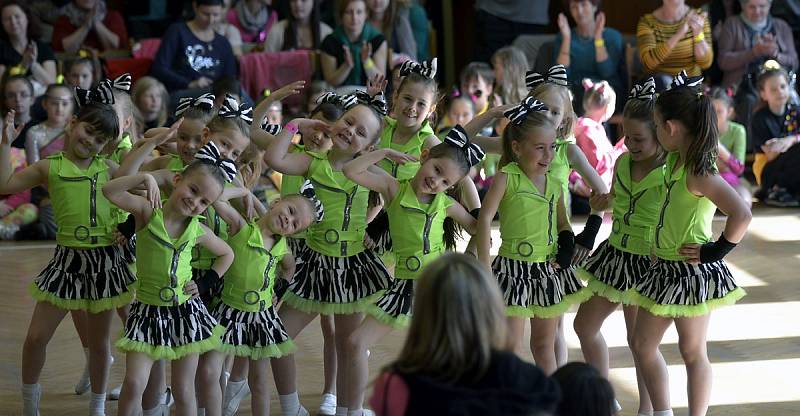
(357, 130)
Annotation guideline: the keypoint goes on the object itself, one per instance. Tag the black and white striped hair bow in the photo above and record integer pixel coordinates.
(204, 102)
(644, 91)
(272, 129)
(557, 74)
(210, 154)
(307, 190)
(377, 103)
(332, 97)
(100, 93)
(233, 109)
(458, 138)
(520, 112)
(122, 82)
(426, 69)
(684, 80)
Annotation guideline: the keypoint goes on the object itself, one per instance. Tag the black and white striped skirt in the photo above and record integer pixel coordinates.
(378, 231)
(537, 289)
(395, 306)
(94, 279)
(129, 250)
(337, 285)
(296, 246)
(680, 289)
(613, 273)
(170, 332)
(255, 335)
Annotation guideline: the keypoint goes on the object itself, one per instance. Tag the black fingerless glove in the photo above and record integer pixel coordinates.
(566, 248)
(127, 228)
(715, 250)
(475, 213)
(586, 237)
(280, 287)
(206, 281)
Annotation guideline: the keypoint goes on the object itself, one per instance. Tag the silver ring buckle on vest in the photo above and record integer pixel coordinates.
(81, 232)
(524, 249)
(251, 297)
(335, 238)
(413, 263)
(168, 290)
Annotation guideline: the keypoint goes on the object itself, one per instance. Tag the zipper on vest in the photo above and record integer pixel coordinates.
(266, 277)
(176, 254)
(426, 231)
(349, 196)
(395, 168)
(550, 220)
(663, 212)
(634, 199)
(92, 198)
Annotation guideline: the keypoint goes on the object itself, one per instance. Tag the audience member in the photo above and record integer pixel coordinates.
(150, 97)
(302, 29)
(499, 22)
(403, 24)
(21, 52)
(17, 96)
(47, 137)
(89, 24)
(81, 72)
(732, 142)
(510, 66)
(477, 83)
(584, 391)
(229, 30)
(253, 18)
(16, 210)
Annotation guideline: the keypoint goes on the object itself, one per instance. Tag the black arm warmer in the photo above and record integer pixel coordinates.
(127, 228)
(566, 248)
(716, 250)
(475, 213)
(206, 281)
(587, 236)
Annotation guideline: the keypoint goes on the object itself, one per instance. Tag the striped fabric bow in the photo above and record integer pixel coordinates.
(122, 82)
(426, 69)
(331, 97)
(307, 190)
(458, 138)
(233, 109)
(557, 74)
(272, 129)
(644, 91)
(377, 103)
(520, 112)
(684, 80)
(210, 154)
(204, 102)
(100, 93)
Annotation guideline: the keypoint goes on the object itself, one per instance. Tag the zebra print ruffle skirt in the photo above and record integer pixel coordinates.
(94, 279)
(395, 306)
(613, 273)
(170, 332)
(536, 289)
(255, 335)
(677, 288)
(336, 285)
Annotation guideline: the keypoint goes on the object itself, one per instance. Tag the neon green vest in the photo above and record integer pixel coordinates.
(124, 145)
(635, 208)
(249, 280)
(162, 267)
(559, 167)
(290, 185)
(175, 164)
(412, 147)
(685, 218)
(84, 216)
(202, 258)
(417, 230)
(528, 219)
(341, 231)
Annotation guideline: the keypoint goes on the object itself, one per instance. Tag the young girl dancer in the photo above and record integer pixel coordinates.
(689, 277)
(335, 274)
(165, 322)
(535, 230)
(622, 261)
(417, 209)
(252, 327)
(87, 270)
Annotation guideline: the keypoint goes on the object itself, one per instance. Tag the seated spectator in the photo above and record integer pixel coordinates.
(355, 51)
(17, 96)
(458, 109)
(192, 55)
(673, 38)
(302, 29)
(746, 41)
(47, 137)
(477, 83)
(590, 136)
(590, 49)
(81, 72)
(732, 142)
(89, 24)
(229, 30)
(253, 18)
(21, 52)
(775, 137)
(150, 98)
(403, 24)
(584, 391)
(16, 210)
(457, 358)
(510, 66)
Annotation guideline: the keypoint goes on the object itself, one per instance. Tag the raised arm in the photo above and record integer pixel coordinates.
(117, 192)
(277, 155)
(358, 170)
(217, 247)
(490, 204)
(10, 182)
(230, 215)
(261, 138)
(458, 213)
(578, 161)
(135, 158)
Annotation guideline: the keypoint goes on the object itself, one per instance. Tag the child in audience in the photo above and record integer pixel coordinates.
(150, 98)
(732, 143)
(477, 83)
(584, 390)
(47, 138)
(80, 72)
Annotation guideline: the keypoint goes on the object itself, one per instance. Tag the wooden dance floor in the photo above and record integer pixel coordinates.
(754, 346)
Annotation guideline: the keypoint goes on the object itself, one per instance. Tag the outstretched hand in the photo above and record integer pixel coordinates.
(10, 132)
(288, 90)
(376, 84)
(399, 157)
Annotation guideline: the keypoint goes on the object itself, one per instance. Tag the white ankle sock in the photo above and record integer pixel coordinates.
(290, 403)
(341, 411)
(357, 412)
(156, 411)
(667, 412)
(97, 405)
(31, 393)
(643, 414)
